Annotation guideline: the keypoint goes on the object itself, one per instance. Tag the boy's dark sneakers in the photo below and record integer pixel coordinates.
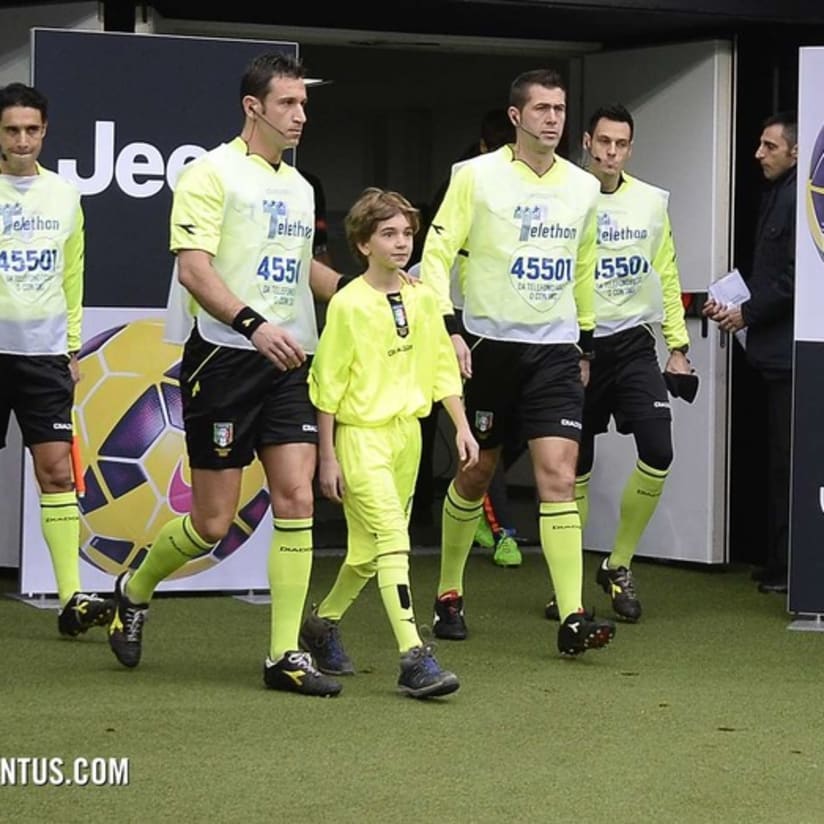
(294, 671)
(619, 584)
(321, 637)
(421, 675)
(126, 628)
(82, 612)
(449, 621)
(582, 631)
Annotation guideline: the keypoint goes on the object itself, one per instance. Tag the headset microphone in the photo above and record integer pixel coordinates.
(519, 125)
(257, 113)
(599, 160)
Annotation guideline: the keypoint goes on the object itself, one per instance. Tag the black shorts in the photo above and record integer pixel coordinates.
(40, 391)
(523, 390)
(235, 401)
(625, 382)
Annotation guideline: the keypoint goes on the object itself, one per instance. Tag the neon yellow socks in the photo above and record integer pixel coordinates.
(60, 522)
(638, 503)
(459, 522)
(175, 544)
(352, 578)
(560, 528)
(393, 584)
(582, 497)
(290, 565)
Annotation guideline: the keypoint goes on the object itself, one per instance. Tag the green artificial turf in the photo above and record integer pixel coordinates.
(708, 710)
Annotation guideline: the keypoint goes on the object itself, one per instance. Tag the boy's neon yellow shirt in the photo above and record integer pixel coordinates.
(366, 372)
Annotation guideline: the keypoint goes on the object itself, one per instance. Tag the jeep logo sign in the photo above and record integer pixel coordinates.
(123, 123)
(139, 169)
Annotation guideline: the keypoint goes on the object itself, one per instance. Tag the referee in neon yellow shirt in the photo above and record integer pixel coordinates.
(637, 287)
(526, 219)
(242, 227)
(383, 358)
(41, 311)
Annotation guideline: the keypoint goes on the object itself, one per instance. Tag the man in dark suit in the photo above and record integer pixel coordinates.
(768, 319)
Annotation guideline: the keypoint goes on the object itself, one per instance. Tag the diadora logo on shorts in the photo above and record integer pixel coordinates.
(309, 427)
(139, 169)
(573, 424)
(661, 405)
(63, 427)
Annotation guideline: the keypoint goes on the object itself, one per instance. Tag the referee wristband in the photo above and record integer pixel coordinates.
(451, 323)
(586, 344)
(246, 321)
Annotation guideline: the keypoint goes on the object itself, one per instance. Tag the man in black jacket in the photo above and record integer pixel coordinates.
(768, 319)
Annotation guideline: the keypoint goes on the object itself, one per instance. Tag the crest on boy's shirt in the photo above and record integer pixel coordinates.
(399, 315)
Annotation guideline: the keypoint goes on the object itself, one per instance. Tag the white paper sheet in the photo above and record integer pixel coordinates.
(731, 290)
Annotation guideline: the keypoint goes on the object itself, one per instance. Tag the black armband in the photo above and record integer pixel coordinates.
(246, 321)
(586, 345)
(343, 280)
(451, 323)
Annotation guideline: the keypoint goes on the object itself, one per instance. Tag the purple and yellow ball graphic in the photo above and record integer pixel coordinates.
(815, 194)
(130, 427)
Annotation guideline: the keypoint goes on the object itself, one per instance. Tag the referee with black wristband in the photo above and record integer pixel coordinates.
(637, 290)
(242, 226)
(526, 219)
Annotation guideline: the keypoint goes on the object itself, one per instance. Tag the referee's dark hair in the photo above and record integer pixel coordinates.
(263, 68)
(519, 90)
(18, 94)
(616, 112)
(788, 121)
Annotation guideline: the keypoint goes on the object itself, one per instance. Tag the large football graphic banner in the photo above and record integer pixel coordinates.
(124, 152)
(130, 430)
(807, 519)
